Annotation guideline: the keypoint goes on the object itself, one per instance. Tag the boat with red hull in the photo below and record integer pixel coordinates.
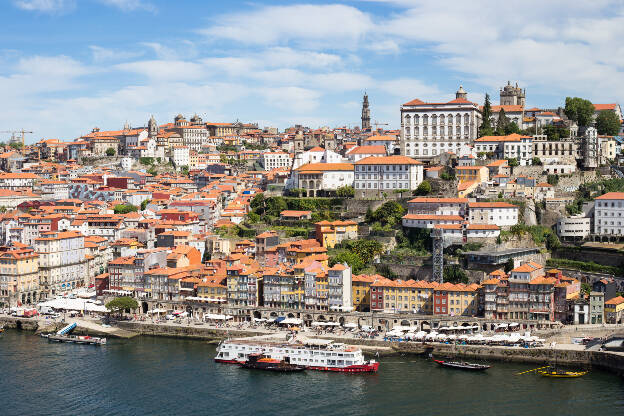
(319, 355)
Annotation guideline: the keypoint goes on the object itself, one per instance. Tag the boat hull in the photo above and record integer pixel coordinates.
(467, 367)
(365, 368)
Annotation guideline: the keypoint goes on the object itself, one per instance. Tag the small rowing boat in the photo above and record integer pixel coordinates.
(462, 365)
(555, 373)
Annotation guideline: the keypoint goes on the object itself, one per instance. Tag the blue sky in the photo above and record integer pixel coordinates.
(69, 65)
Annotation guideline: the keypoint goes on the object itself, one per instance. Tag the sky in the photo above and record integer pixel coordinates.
(67, 66)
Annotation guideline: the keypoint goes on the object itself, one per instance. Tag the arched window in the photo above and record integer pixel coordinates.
(425, 119)
(457, 120)
(408, 120)
(416, 120)
(466, 119)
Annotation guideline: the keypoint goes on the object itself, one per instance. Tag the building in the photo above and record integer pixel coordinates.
(555, 151)
(512, 95)
(339, 288)
(431, 129)
(62, 261)
(275, 160)
(513, 146)
(19, 276)
(606, 286)
(455, 299)
(181, 156)
(596, 307)
(361, 286)
(501, 214)
(519, 289)
(366, 120)
(574, 228)
(614, 310)
(331, 233)
(609, 214)
(608, 107)
(376, 175)
(478, 174)
(361, 152)
(318, 179)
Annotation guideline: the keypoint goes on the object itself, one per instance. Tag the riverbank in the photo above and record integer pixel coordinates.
(563, 354)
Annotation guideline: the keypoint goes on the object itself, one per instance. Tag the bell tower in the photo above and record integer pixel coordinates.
(366, 125)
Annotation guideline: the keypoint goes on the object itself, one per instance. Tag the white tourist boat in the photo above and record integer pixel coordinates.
(323, 355)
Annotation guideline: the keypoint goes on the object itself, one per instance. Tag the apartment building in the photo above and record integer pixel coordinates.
(378, 174)
(62, 261)
(609, 214)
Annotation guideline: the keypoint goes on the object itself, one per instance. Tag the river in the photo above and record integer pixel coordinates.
(164, 376)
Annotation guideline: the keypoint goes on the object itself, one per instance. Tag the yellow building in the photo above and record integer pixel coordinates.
(614, 310)
(472, 173)
(19, 276)
(360, 286)
(331, 233)
(455, 299)
(465, 188)
(402, 296)
(212, 291)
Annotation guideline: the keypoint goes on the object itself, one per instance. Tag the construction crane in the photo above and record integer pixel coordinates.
(13, 132)
(377, 124)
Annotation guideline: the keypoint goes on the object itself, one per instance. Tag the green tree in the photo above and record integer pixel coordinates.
(455, 274)
(147, 161)
(207, 256)
(258, 203)
(553, 180)
(389, 213)
(275, 205)
(345, 192)
(366, 249)
(509, 265)
(552, 241)
(121, 304)
(586, 288)
(579, 110)
(152, 171)
(253, 218)
(16, 145)
(501, 123)
(512, 128)
(185, 170)
(486, 126)
(125, 208)
(512, 162)
(607, 123)
(110, 152)
(536, 161)
(144, 204)
(353, 260)
(423, 189)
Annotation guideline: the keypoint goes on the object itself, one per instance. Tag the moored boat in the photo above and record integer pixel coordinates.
(322, 355)
(461, 365)
(262, 362)
(558, 373)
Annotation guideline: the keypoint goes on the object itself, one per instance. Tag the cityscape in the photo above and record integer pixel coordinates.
(472, 227)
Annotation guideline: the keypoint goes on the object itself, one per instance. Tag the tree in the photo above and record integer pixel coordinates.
(554, 133)
(486, 126)
(454, 274)
(607, 123)
(152, 171)
(501, 123)
(353, 260)
(345, 192)
(579, 110)
(121, 304)
(536, 161)
(366, 249)
(586, 288)
(185, 170)
(512, 162)
(207, 256)
(552, 180)
(147, 161)
(552, 241)
(390, 213)
(125, 208)
(258, 203)
(16, 145)
(423, 189)
(275, 205)
(110, 152)
(512, 128)
(509, 265)
(144, 204)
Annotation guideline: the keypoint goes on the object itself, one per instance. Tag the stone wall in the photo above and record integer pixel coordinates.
(605, 257)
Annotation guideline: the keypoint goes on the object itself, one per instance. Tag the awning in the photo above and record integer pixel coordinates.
(291, 321)
(350, 325)
(279, 319)
(217, 317)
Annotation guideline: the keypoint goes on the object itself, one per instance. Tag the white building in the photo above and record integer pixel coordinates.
(609, 214)
(482, 231)
(181, 156)
(437, 206)
(501, 214)
(574, 228)
(430, 129)
(317, 155)
(361, 152)
(323, 178)
(375, 175)
(62, 262)
(274, 160)
(430, 221)
(339, 291)
(507, 147)
(389, 142)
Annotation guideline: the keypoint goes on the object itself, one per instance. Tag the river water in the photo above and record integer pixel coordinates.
(162, 376)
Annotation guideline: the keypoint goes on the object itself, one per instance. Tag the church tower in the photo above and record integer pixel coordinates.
(366, 124)
(510, 95)
(152, 127)
(461, 94)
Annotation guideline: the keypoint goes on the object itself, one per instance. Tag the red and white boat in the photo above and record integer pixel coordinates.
(313, 354)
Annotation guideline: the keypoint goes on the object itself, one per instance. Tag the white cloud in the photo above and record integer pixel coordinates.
(101, 54)
(130, 5)
(164, 70)
(45, 6)
(335, 25)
